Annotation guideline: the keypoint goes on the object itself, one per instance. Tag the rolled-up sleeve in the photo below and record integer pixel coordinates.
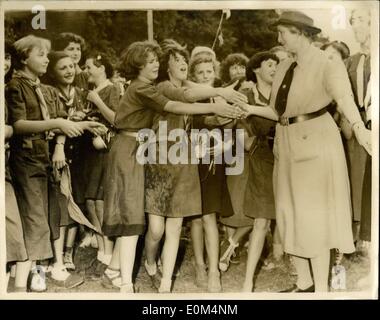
(152, 98)
(16, 104)
(336, 81)
(114, 98)
(172, 92)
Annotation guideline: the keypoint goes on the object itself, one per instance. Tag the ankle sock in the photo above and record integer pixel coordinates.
(150, 269)
(107, 259)
(112, 273)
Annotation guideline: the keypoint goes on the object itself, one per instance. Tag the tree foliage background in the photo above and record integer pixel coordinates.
(112, 31)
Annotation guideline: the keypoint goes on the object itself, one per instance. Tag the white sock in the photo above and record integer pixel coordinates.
(112, 273)
(107, 259)
(150, 269)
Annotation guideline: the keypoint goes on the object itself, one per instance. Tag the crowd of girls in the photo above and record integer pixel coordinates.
(72, 144)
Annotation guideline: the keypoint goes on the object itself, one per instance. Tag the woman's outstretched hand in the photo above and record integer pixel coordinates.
(70, 128)
(231, 95)
(230, 111)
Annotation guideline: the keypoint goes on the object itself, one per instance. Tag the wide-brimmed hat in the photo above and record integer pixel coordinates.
(297, 19)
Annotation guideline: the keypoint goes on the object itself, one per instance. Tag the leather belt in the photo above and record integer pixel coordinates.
(138, 136)
(285, 121)
(128, 133)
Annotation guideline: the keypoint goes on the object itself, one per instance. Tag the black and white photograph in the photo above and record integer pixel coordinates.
(189, 150)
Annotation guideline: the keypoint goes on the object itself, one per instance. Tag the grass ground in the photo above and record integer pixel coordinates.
(273, 280)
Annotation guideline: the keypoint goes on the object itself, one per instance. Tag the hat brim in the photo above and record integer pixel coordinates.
(311, 29)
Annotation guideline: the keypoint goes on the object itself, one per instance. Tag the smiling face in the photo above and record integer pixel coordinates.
(266, 71)
(177, 67)
(94, 72)
(37, 61)
(204, 73)
(64, 71)
(74, 51)
(288, 38)
(150, 70)
(360, 22)
(236, 71)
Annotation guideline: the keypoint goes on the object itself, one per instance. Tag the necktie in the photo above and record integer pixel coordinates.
(360, 81)
(283, 91)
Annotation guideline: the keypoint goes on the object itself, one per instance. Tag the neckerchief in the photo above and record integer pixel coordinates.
(68, 101)
(36, 85)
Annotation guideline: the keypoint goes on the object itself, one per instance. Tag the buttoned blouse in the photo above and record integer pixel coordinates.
(316, 82)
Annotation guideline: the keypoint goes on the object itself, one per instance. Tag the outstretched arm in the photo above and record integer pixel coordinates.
(221, 108)
(265, 112)
(196, 92)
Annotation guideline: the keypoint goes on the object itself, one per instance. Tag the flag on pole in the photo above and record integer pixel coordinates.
(227, 12)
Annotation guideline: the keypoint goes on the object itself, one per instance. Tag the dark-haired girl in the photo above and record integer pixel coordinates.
(104, 100)
(73, 45)
(124, 203)
(173, 190)
(233, 68)
(255, 206)
(61, 71)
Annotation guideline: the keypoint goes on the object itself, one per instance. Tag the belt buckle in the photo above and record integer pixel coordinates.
(284, 121)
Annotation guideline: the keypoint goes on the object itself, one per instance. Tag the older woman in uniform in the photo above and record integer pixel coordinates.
(312, 191)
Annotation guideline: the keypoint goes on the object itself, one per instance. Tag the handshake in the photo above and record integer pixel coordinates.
(227, 110)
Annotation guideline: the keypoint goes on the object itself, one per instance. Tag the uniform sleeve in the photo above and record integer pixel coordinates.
(151, 98)
(114, 98)
(16, 104)
(336, 81)
(172, 92)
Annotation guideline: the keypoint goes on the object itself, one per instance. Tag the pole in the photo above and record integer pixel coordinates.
(150, 24)
(218, 30)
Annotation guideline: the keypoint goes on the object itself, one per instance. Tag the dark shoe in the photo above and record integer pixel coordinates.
(296, 289)
(236, 258)
(109, 282)
(96, 270)
(62, 278)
